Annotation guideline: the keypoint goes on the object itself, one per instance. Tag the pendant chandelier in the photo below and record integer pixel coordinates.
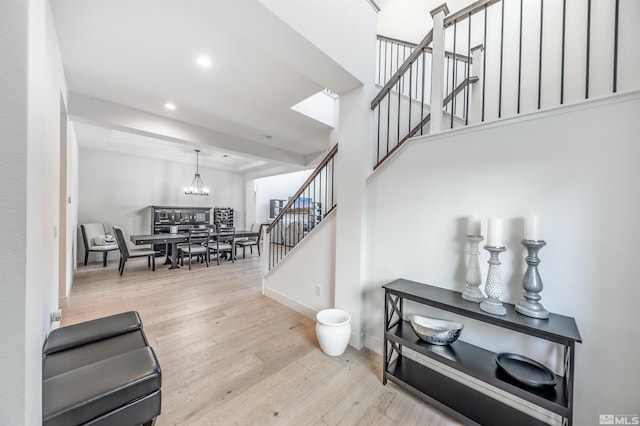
(197, 186)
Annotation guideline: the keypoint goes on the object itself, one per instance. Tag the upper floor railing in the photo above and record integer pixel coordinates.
(315, 199)
(512, 56)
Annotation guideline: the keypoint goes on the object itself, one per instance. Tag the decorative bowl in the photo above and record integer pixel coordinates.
(435, 331)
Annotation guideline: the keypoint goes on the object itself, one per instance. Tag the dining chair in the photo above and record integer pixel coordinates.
(223, 243)
(96, 238)
(126, 252)
(251, 241)
(197, 245)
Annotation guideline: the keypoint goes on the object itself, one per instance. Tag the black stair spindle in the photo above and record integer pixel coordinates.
(455, 66)
(410, 94)
(380, 62)
(388, 120)
(540, 54)
(378, 150)
(588, 54)
(520, 58)
(615, 48)
(468, 67)
(422, 100)
(484, 61)
(564, 25)
(501, 62)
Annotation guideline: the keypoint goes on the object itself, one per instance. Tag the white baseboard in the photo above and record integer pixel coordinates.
(357, 340)
(303, 309)
(373, 343)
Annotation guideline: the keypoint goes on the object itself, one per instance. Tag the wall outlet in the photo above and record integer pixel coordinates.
(317, 290)
(56, 316)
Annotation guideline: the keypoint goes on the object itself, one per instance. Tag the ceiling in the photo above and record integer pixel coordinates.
(124, 60)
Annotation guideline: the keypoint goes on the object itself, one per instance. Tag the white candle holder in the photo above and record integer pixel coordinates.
(532, 283)
(473, 278)
(493, 286)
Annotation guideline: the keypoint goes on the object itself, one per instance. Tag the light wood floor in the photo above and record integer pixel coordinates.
(231, 356)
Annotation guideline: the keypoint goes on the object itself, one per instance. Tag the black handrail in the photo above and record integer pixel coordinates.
(398, 74)
(408, 44)
(472, 9)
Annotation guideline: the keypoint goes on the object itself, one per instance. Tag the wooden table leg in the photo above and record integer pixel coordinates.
(167, 260)
(174, 256)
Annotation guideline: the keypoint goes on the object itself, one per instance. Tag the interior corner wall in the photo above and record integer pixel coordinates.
(352, 25)
(31, 84)
(15, 305)
(72, 209)
(250, 203)
(351, 168)
(54, 98)
(118, 189)
(303, 285)
(576, 168)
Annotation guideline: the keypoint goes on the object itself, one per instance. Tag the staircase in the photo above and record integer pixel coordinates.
(483, 63)
(497, 64)
(309, 206)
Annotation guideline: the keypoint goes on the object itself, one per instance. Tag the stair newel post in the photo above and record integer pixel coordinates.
(477, 58)
(437, 68)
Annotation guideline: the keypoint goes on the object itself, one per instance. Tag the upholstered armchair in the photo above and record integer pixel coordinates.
(97, 238)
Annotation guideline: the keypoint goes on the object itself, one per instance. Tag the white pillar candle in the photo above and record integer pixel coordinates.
(531, 231)
(473, 225)
(494, 232)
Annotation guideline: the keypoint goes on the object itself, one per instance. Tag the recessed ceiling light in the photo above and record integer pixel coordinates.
(203, 61)
(170, 106)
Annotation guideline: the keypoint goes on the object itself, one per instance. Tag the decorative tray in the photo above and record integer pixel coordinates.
(525, 370)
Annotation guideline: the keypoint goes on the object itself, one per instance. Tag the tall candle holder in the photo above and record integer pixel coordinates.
(493, 286)
(473, 278)
(532, 283)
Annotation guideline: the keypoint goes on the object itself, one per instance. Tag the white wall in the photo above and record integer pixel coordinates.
(321, 107)
(31, 82)
(14, 303)
(335, 27)
(576, 168)
(118, 190)
(297, 280)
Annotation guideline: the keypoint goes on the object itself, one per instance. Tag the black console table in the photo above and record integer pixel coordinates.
(453, 397)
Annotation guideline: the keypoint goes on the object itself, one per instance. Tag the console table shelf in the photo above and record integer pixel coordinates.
(471, 407)
(452, 396)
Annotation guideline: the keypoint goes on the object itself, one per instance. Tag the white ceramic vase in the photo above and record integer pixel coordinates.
(333, 329)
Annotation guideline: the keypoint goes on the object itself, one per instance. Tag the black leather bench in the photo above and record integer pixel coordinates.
(100, 372)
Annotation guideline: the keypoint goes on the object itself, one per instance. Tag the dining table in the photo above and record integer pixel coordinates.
(172, 241)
